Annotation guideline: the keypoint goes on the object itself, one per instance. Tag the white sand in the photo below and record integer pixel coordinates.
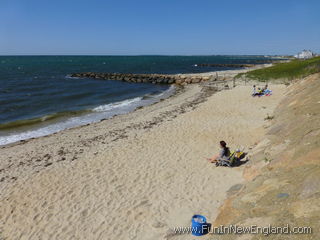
(138, 186)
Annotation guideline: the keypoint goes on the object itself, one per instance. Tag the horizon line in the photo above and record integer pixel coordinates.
(138, 55)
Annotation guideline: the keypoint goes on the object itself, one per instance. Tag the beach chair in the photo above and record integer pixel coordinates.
(234, 157)
(223, 163)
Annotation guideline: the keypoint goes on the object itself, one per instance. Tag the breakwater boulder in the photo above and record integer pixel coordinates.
(144, 78)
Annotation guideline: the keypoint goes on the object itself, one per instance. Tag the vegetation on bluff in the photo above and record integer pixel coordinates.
(294, 69)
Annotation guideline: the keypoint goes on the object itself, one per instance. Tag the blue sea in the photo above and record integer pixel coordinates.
(38, 97)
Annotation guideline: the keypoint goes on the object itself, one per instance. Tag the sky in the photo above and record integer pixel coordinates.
(164, 27)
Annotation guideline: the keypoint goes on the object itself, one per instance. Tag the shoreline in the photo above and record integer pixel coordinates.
(215, 76)
(145, 168)
(177, 90)
(193, 92)
(22, 130)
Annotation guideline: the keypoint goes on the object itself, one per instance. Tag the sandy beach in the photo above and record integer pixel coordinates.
(135, 176)
(159, 120)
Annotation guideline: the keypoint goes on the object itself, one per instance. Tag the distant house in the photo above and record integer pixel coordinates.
(305, 54)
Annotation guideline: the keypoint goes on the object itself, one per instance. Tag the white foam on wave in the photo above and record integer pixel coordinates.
(98, 113)
(112, 106)
(68, 76)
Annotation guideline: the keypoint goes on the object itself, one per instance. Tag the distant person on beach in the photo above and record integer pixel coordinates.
(258, 93)
(261, 91)
(223, 154)
(254, 90)
(266, 91)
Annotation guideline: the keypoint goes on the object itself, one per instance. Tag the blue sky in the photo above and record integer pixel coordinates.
(182, 27)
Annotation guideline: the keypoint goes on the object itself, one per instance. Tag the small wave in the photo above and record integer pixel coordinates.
(112, 106)
(167, 92)
(151, 95)
(68, 76)
(73, 119)
(33, 121)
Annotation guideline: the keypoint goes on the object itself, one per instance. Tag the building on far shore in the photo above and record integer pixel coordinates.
(305, 54)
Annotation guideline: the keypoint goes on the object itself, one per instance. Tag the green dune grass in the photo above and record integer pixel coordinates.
(287, 71)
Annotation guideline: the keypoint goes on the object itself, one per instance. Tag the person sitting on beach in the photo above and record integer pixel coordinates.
(223, 155)
(266, 91)
(257, 93)
(260, 92)
(265, 87)
(254, 90)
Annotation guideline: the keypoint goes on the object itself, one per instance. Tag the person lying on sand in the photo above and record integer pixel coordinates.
(223, 155)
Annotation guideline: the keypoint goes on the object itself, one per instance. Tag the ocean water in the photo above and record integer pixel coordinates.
(37, 96)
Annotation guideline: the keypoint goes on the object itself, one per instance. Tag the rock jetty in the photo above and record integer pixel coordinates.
(144, 78)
